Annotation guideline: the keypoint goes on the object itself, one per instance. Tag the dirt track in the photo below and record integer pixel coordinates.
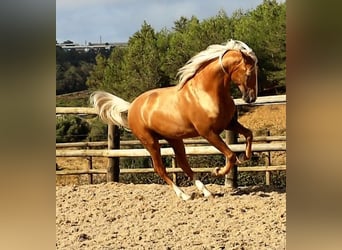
(150, 216)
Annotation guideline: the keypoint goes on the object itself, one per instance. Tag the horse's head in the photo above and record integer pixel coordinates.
(245, 77)
(242, 68)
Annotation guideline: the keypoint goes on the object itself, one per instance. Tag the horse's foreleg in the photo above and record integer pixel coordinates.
(182, 162)
(235, 126)
(217, 142)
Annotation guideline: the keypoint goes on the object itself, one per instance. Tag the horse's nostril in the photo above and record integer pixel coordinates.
(249, 99)
(246, 98)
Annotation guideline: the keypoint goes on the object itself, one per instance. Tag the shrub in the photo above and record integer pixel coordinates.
(71, 129)
(98, 131)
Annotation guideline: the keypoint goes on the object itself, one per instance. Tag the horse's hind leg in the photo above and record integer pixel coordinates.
(153, 146)
(182, 162)
(235, 126)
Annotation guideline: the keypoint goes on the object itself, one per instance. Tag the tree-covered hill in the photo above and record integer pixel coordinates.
(73, 68)
(152, 58)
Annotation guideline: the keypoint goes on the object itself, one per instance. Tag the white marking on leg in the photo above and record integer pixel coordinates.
(201, 187)
(180, 193)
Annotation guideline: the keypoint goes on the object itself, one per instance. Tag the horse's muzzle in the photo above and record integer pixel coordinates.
(249, 98)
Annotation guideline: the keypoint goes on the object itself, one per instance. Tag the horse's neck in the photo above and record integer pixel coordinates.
(212, 80)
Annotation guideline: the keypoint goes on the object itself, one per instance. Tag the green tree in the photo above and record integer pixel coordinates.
(184, 43)
(264, 30)
(142, 62)
(152, 59)
(96, 77)
(115, 79)
(73, 67)
(73, 79)
(98, 131)
(217, 29)
(130, 71)
(71, 128)
(190, 36)
(163, 41)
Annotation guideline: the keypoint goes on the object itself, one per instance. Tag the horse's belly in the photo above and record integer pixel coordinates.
(172, 125)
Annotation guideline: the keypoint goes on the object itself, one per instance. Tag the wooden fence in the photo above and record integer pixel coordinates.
(113, 151)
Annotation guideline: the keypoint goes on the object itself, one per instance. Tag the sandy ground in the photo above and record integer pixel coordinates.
(150, 216)
(269, 117)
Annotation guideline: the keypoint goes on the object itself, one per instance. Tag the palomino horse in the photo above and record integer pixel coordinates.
(200, 105)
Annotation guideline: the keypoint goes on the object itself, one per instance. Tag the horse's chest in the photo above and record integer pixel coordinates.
(205, 102)
(215, 109)
(219, 117)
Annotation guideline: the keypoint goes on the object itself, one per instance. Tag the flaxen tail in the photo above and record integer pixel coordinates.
(110, 108)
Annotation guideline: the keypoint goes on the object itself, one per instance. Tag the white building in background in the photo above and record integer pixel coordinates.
(68, 45)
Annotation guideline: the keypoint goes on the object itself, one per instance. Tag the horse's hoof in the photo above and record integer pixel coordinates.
(216, 171)
(209, 197)
(186, 197)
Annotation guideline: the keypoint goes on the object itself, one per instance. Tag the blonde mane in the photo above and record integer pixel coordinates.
(212, 52)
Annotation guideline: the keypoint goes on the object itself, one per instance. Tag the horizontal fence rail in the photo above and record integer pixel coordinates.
(261, 100)
(269, 143)
(169, 170)
(75, 110)
(198, 150)
(164, 142)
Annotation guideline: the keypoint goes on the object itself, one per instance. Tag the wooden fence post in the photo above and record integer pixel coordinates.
(90, 166)
(173, 165)
(113, 169)
(268, 163)
(231, 178)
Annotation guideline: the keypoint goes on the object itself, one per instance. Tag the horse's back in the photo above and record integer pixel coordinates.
(153, 99)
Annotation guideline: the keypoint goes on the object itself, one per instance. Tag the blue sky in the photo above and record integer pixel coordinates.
(83, 21)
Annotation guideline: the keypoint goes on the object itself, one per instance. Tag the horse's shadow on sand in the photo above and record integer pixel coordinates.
(262, 191)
